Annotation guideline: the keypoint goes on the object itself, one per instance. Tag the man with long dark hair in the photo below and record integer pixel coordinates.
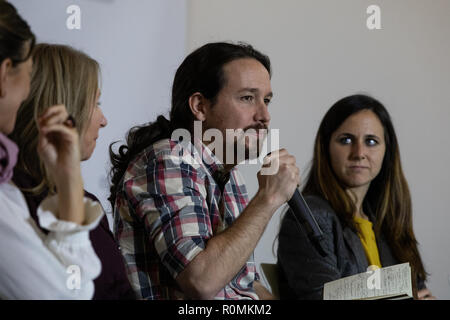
(183, 219)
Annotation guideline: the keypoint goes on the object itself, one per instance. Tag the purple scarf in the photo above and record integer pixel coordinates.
(8, 158)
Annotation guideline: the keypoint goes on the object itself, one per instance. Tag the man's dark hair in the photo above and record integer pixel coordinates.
(201, 71)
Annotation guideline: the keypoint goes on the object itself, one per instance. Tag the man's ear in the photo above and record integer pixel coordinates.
(199, 104)
(5, 66)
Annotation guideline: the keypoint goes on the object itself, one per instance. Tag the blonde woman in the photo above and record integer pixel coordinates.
(63, 75)
(34, 265)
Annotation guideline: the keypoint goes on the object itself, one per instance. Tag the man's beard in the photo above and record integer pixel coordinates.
(248, 145)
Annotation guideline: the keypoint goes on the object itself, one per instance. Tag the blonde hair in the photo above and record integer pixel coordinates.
(61, 75)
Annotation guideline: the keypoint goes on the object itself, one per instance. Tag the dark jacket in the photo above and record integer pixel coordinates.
(303, 272)
(112, 283)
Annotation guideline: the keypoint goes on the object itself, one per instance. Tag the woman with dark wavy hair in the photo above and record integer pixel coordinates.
(358, 193)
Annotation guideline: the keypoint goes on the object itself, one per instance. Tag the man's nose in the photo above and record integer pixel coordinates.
(262, 113)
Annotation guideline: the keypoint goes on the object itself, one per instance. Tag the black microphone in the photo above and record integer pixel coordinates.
(303, 215)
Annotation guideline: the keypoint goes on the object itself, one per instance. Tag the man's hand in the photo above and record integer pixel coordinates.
(279, 187)
(227, 252)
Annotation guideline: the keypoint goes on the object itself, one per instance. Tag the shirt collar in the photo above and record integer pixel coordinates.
(213, 164)
(8, 158)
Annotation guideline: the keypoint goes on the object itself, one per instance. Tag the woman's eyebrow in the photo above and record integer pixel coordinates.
(346, 134)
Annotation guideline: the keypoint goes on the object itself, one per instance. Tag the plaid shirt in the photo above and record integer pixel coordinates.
(170, 204)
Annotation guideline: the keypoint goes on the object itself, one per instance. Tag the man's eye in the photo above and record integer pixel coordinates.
(267, 101)
(247, 98)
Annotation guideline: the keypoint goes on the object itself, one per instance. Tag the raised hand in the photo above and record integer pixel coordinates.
(59, 149)
(280, 185)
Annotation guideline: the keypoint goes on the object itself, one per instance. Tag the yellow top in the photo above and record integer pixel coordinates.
(367, 237)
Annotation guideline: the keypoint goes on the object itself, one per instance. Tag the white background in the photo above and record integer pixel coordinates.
(321, 51)
(139, 45)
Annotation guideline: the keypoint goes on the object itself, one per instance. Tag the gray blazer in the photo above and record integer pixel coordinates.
(303, 272)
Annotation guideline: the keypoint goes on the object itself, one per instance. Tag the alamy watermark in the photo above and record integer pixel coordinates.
(373, 22)
(74, 19)
(374, 280)
(73, 281)
(238, 146)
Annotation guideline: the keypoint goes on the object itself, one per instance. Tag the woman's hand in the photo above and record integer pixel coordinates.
(58, 144)
(425, 294)
(59, 149)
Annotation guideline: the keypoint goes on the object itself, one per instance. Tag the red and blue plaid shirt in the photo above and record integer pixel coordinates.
(169, 205)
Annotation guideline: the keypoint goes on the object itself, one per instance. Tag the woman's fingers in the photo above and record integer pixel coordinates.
(425, 294)
(59, 135)
(54, 114)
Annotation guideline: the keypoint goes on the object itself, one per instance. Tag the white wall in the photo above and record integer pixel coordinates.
(322, 51)
(139, 44)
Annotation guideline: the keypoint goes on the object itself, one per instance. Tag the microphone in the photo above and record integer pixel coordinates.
(303, 215)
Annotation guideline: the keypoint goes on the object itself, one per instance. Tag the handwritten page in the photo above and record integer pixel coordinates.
(389, 282)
